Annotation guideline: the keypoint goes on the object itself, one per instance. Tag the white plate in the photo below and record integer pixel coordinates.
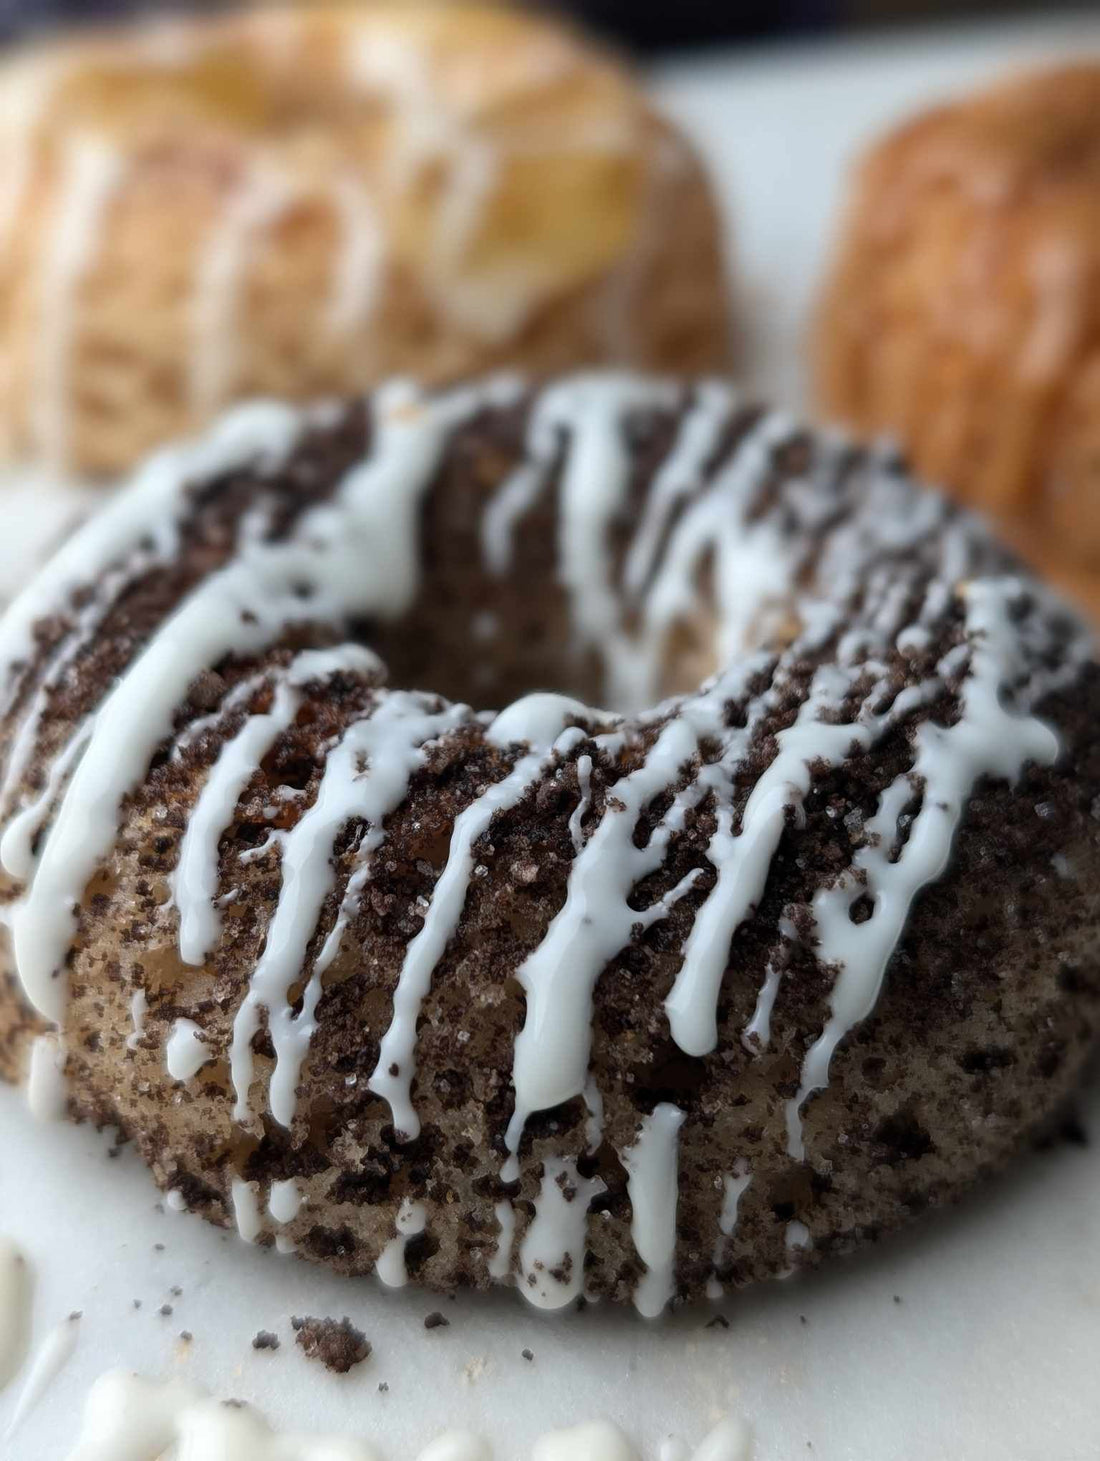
(991, 1353)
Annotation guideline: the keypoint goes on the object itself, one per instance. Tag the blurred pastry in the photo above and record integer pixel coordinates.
(301, 202)
(962, 312)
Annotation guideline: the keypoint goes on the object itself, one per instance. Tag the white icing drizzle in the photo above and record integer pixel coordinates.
(16, 1291)
(366, 775)
(730, 1440)
(357, 552)
(501, 1264)
(186, 1052)
(51, 1357)
(551, 1255)
(987, 739)
(195, 879)
(174, 1200)
(734, 1187)
(652, 1166)
(393, 1074)
(245, 1197)
(220, 276)
(47, 1091)
(456, 1446)
(356, 556)
(139, 1007)
(358, 273)
(411, 1220)
(93, 170)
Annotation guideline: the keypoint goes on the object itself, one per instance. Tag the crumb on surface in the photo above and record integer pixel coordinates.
(186, 1336)
(336, 1343)
(383, 1387)
(165, 1310)
(265, 1339)
(528, 1354)
(436, 1320)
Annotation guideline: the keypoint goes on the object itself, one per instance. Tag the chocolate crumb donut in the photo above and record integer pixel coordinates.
(791, 942)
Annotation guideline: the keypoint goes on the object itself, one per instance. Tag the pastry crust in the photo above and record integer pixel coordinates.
(633, 1004)
(303, 201)
(962, 310)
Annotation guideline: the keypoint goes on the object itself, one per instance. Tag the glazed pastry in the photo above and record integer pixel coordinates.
(962, 310)
(642, 1002)
(297, 202)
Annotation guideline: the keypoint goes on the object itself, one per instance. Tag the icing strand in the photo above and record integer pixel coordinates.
(393, 1075)
(16, 1291)
(988, 739)
(652, 1167)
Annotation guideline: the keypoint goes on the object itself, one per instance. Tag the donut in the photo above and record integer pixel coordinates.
(960, 310)
(304, 201)
(793, 941)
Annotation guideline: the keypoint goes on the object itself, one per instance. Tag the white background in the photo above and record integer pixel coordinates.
(992, 1353)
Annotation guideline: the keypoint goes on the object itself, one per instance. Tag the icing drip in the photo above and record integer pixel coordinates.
(186, 1051)
(93, 172)
(411, 1220)
(355, 553)
(743, 861)
(46, 1088)
(500, 1264)
(139, 1007)
(284, 1200)
(366, 776)
(195, 880)
(219, 282)
(359, 264)
(393, 1074)
(653, 1186)
(551, 1256)
(246, 1208)
(16, 1290)
(989, 739)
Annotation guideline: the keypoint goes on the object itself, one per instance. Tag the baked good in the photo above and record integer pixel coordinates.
(468, 996)
(961, 310)
(300, 201)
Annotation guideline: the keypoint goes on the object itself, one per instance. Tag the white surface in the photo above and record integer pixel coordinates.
(992, 1351)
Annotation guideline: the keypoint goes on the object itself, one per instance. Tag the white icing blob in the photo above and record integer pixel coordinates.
(456, 1446)
(730, 1440)
(500, 1264)
(551, 1256)
(186, 1052)
(127, 1418)
(139, 1008)
(596, 1440)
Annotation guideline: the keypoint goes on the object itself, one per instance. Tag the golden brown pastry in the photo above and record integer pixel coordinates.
(302, 202)
(962, 312)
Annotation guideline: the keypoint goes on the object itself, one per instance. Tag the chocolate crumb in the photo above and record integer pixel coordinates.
(137, 1303)
(264, 1339)
(165, 1310)
(436, 1320)
(897, 1298)
(158, 1247)
(175, 1291)
(383, 1388)
(336, 1343)
(186, 1336)
(528, 1354)
(802, 1319)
